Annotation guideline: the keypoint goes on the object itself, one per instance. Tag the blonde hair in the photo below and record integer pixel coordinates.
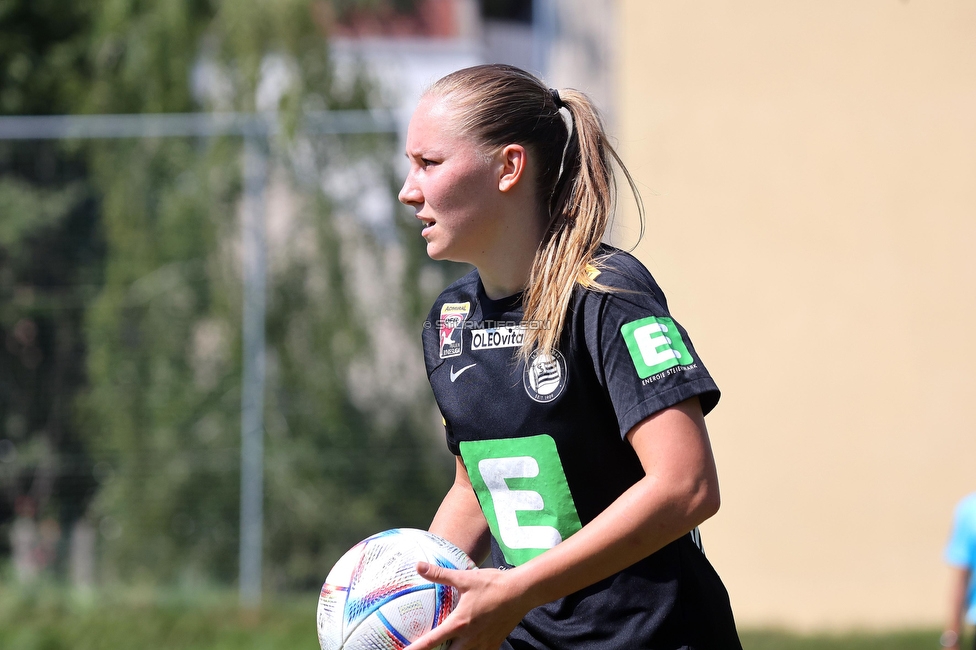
(500, 104)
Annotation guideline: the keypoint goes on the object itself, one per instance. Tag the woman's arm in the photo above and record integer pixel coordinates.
(678, 492)
(459, 519)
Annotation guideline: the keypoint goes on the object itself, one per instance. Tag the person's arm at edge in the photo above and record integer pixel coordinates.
(459, 519)
(678, 492)
(957, 605)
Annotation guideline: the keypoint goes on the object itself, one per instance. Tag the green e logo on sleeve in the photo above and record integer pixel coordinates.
(523, 492)
(655, 345)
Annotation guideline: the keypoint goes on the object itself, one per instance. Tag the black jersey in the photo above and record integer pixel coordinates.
(544, 445)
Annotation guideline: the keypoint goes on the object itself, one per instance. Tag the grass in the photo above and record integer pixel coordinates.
(901, 640)
(42, 620)
(50, 619)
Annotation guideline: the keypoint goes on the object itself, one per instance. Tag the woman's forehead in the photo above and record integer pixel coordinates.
(434, 119)
(438, 108)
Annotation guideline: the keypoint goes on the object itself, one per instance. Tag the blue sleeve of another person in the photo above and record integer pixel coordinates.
(961, 549)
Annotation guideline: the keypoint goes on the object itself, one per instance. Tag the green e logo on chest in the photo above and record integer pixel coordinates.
(523, 492)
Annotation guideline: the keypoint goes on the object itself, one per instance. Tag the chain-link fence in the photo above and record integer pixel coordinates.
(171, 288)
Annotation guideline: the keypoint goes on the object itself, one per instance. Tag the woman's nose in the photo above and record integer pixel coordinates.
(410, 194)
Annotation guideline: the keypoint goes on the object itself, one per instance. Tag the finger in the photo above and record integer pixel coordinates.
(438, 574)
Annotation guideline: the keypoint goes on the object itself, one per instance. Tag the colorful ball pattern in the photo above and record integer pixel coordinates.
(373, 598)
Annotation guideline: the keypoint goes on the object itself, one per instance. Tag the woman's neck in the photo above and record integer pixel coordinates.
(501, 283)
(506, 271)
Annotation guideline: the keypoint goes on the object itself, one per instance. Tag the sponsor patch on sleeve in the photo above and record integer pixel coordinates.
(655, 345)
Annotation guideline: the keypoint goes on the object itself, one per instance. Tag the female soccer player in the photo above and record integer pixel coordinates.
(573, 401)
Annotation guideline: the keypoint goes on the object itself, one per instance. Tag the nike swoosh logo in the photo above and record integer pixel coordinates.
(455, 375)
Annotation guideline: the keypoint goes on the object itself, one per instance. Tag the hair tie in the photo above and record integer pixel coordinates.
(556, 98)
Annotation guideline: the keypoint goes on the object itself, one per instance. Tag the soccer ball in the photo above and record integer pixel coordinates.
(373, 599)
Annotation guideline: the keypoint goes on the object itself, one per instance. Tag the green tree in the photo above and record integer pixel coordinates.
(348, 448)
(164, 334)
(51, 252)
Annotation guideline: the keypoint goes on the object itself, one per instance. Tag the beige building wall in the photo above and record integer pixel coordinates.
(809, 173)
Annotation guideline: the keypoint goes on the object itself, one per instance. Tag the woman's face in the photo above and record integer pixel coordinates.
(451, 183)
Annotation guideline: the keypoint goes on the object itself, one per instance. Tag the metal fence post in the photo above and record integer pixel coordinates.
(253, 255)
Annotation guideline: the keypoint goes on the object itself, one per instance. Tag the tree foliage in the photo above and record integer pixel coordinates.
(51, 250)
(348, 420)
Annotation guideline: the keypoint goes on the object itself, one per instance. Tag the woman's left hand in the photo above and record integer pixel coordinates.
(489, 608)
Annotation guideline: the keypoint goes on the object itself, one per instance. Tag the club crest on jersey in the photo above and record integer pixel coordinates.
(451, 328)
(545, 376)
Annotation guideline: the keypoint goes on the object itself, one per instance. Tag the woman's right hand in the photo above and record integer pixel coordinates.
(491, 604)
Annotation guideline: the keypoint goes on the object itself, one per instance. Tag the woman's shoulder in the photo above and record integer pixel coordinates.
(967, 507)
(619, 272)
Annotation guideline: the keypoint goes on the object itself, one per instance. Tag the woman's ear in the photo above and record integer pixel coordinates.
(513, 159)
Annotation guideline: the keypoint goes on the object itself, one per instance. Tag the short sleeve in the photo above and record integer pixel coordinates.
(644, 358)
(961, 549)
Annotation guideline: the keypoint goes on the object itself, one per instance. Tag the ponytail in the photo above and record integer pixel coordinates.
(580, 209)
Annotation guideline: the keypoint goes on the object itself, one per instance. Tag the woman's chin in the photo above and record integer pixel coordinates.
(443, 252)
(436, 252)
